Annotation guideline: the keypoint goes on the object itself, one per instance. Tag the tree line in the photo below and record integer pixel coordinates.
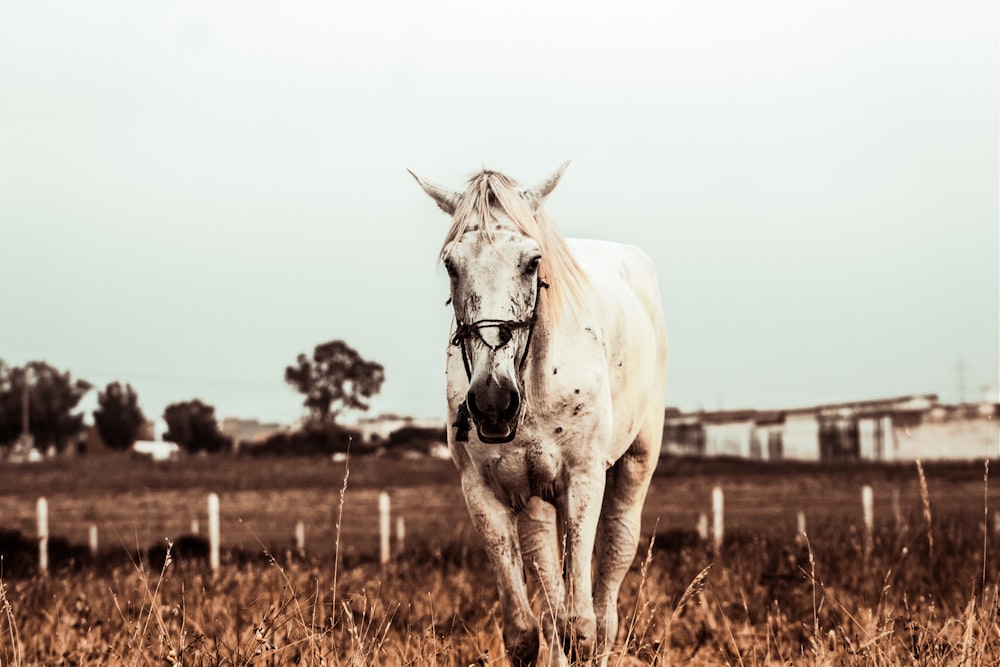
(38, 405)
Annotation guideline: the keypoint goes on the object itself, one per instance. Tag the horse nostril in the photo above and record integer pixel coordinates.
(487, 411)
(470, 402)
(513, 405)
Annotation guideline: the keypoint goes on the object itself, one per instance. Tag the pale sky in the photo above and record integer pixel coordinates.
(193, 193)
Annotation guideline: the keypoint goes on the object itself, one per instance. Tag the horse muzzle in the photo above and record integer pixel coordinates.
(495, 409)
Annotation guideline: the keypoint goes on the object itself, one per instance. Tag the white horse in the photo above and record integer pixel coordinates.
(555, 381)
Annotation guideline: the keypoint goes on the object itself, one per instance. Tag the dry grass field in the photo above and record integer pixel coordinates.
(923, 593)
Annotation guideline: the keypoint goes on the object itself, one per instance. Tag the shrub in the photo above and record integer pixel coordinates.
(313, 439)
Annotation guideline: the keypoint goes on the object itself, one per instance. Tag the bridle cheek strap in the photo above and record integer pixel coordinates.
(505, 331)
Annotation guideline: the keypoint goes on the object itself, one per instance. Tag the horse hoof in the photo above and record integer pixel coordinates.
(522, 647)
(578, 637)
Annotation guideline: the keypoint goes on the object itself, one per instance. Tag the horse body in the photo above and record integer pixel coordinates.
(556, 418)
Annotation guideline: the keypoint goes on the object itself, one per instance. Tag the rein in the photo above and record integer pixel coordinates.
(505, 331)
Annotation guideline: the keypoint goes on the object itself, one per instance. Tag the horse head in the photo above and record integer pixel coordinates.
(494, 291)
(494, 268)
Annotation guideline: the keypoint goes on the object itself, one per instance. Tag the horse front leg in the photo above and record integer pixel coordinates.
(618, 532)
(497, 525)
(540, 549)
(579, 511)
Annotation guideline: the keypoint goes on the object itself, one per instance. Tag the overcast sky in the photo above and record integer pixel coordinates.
(193, 193)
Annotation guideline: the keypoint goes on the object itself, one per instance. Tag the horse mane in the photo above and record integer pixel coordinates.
(490, 192)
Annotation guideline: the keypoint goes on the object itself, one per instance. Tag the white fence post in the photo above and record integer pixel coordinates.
(300, 537)
(703, 527)
(213, 532)
(800, 527)
(195, 527)
(400, 534)
(718, 519)
(383, 528)
(897, 510)
(92, 539)
(868, 510)
(43, 535)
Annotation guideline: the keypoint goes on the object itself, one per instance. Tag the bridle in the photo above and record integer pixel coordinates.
(505, 331)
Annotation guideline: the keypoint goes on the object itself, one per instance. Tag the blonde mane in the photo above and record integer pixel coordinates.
(490, 192)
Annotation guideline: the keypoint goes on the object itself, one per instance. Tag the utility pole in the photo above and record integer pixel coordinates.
(961, 381)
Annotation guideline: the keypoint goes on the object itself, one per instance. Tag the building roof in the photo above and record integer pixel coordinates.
(914, 403)
(918, 403)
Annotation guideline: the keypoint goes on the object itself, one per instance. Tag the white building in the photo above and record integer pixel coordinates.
(375, 430)
(157, 450)
(881, 430)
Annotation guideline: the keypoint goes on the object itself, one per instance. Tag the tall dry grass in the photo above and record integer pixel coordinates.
(927, 594)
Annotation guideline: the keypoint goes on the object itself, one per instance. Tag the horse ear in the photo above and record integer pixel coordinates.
(445, 198)
(536, 195)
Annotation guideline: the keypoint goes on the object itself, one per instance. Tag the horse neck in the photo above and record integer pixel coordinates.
(538, 369)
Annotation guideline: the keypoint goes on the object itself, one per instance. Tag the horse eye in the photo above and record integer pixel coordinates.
(449, 267)
(532, 265)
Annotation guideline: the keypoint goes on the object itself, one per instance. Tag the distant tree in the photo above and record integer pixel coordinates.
(118, 417)
(52, 397)
(10, 406)
(192, 425)
(336, 379)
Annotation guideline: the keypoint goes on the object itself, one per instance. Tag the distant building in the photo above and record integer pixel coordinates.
(951, 432)
(683, 434)
(249, 431)
(890, 429)
(376, 430)
(157, 450)
(729, 433)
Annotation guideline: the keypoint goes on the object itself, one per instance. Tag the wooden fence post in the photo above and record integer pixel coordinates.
(92, 539)
(718, 520)
(383, 528)
(300, 538)
(42, 508)
(868, 511)
(213, 532)
(703, 527)
(897, 511)
(400, 534)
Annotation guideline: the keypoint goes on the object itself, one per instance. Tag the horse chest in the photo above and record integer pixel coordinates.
(518, 473)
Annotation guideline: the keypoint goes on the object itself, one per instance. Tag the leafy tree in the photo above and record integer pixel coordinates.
(337, 378)
(118, 417)
(52, 397)
(10, 405)
(192, 425)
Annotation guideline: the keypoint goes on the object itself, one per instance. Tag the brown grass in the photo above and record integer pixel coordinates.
(765, 599)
